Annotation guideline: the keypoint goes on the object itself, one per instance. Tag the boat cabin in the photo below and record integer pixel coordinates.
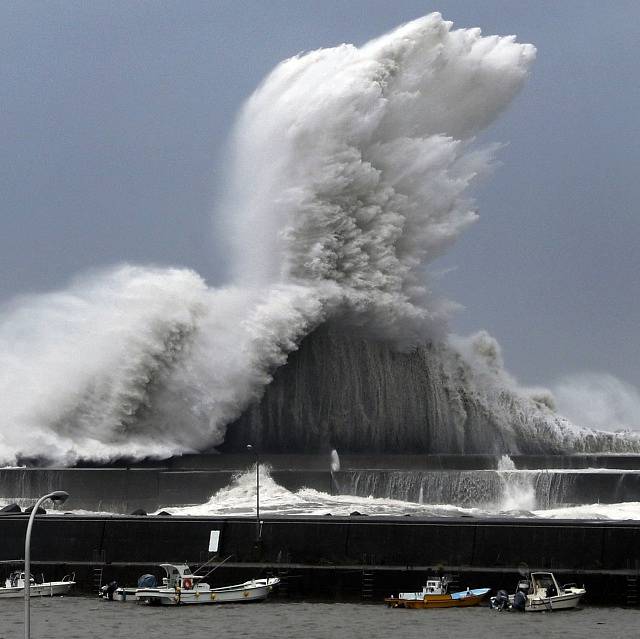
(540, 585)
(434, 587)
(179, 575)
(544, 584)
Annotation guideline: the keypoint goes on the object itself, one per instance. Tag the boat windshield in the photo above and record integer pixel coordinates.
(544, 580)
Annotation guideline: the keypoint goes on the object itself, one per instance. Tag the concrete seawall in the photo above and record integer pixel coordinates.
(123, 490)
(327, 556)
(193, 479)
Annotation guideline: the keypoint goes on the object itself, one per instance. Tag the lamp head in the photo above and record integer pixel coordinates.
(249, 447)
(59, 495)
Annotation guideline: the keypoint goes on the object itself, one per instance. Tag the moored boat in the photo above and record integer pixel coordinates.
(543, 592)
(434, 595)
(14, 586)
(540, 592)
(181, 586)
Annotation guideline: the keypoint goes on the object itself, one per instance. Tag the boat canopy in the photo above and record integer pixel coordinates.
(176, 570)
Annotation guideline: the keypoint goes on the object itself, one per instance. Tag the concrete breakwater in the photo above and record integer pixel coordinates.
(472, 480)
(336, 556)
(350, 461)
(544, 488)
(126, 490)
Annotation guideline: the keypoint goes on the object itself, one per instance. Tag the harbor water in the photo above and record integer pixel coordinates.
(80, 617)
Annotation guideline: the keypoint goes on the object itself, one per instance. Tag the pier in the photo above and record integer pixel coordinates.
(340, 558)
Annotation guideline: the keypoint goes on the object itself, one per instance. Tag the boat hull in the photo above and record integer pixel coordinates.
(124, 594)
(561, 602)
(242, 593)
(435, 601)
(52, 589)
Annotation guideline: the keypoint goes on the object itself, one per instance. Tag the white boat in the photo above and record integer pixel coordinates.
(181, 586)
(541, 591)
(14, 586)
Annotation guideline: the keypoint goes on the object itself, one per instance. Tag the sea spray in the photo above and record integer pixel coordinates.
(506, 463)
(350, 172)
(352, 167)
(138, 362)
(598, 400)
(335, 461)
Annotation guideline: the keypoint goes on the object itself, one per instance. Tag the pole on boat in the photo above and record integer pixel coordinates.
(60, 496)
(250, 448)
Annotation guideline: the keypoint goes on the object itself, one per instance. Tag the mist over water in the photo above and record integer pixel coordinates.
(598, 400)
(350, 170)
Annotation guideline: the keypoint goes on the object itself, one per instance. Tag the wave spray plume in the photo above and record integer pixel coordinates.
(350, 174)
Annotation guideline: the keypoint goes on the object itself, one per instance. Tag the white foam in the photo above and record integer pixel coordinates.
(239, 499)
(620, 511)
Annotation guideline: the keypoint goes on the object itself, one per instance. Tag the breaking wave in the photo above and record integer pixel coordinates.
(350, 171)
(138, 362)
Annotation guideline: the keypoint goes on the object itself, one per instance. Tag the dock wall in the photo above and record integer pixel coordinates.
(327, 556)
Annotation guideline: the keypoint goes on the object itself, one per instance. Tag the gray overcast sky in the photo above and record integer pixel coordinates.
(114, 116)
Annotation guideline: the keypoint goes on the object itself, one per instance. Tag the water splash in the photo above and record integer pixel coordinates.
(506, 463)
(518, 492)
(359, 162)
(350, 172)
(238, 499)
(139, 362)
(335, 461)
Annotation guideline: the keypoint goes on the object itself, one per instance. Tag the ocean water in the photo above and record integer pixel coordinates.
(81, 617)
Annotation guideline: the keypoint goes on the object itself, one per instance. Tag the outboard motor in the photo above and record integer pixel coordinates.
(500, 601)
(108, 590)
(519, 601)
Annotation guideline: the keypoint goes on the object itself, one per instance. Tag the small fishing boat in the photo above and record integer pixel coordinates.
(14, 586)
(541, 591)
(434, 595)
(181, 586)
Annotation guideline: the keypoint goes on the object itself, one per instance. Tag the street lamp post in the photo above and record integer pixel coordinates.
(250, 448)
(59, 496)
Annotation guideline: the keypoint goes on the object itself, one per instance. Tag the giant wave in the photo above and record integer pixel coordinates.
(350, 170)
